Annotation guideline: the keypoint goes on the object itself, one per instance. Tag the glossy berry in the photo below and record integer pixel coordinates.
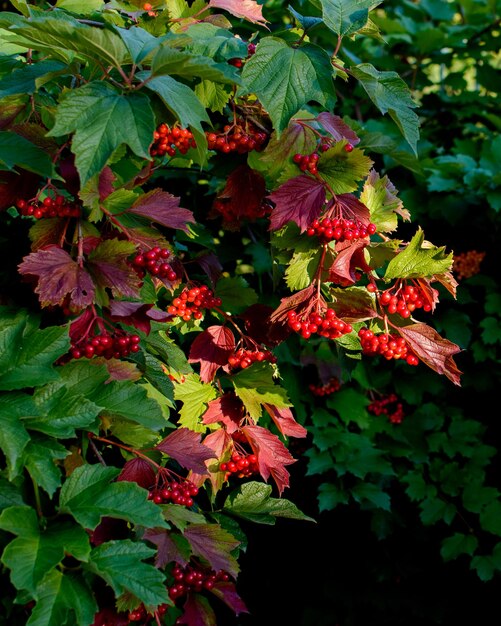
(327, 324)
(56, 206)
(240, 465)
(110, 346)
(348, 147)
(241, 138)
(241, 359)
(169, 140)
(174, 492)
(339, 229)
(155, 263)
(191, 301)
(194, 578)
(388, 405)
(307, 162)
(404, 298)
(236, 62)
(386, 345)
(326, 389)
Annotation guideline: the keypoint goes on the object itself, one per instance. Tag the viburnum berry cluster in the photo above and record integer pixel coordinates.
(241, 137)
(57, 206)
(326, 389)
(403, 298)
(339, 229)
(154, 262)
(116, 345)
(467, 264)
(241, 465)
(142, 615)
(325, 324)
(387, 345)
(243, 358)
(190, 302)
(307, 162)
(169, 140)
(194, 578)
(389, 405)
(174, 492)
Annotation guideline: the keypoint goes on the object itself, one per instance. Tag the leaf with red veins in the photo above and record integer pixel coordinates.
(197, 611)
(105, 183)
(211, 349)
(169, 547)
(219, 442)
(136, 314)
(432, 349)
(285, 422)
(47, 232)
(163, 208)
(227, 410)
(299, 200)
(184, 446)
(350, 256)
(215, 545)
(338, 129)
(59, 276)
(108, 264)
(121, 370)
(138, 471)
(82, 325)
(298, 302)
(448, 281)
(350, 207)
(271, 453)
(241, 198)
(227, 593)
(353, 304)
(247, 9)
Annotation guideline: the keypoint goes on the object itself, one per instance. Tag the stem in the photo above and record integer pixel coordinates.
(96, 452)
(127, 448)
(338, 45)
(36, 493)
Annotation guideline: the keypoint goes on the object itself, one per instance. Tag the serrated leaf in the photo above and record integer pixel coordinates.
(351, 406)
(343, 170)
(485, 566)
(380, 197)
(330, 495)
(236, 293)
(214, 544)
(39, 459)
(170, 547)
(372, 493)
(213, 96)
(337, 128)
(194, 394)
(345, 17)
(458, 544)
(419, 259)
(285, 421)
(215, 42)
(109, 267)
(211, 348)
(13, 435)
(301, 268)
(185, 447)
(253, 501)
(285, 79)
(247, 9)
(255, 387)
(490, 518)
(9, 495)
(163, 208)
(103, 120)
(88, 495)
(299, 200)
(171, 61)
(18, 151)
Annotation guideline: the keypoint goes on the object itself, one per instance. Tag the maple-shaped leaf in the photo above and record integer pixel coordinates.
(255, 386)
(247, 9)
(350, 207)
(211, 349)
(337, 128)
(163, 208)
(285, 422)
(380, 196)
(170, 547)
(241, 198)
(219, 441)
(136, 314)
(108, 264)
(138, 471)
(353, 304)
(227, 410)
(197, 611)
(59, 277)
(432, 349)
(272, 455)
(299, 200)
(350, 256)
(184, 446)
(105, 183)
(429, 293)
(227, 592)
(47, 232)
(215, 545)
(297, 302)
(343, 170)
(194, 394)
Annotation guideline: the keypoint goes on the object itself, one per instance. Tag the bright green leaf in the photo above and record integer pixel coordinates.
(195, 395)
(255, 387)
(343, 170)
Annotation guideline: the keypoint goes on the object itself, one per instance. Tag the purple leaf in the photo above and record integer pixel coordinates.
(338, 129)
(163, 208)
(168, 549)
(227, 410)
(211, 349)
(138, 471)
(214, 544)
(350, 207)
(110, 268)
(184, 446)
(197, 612)
(298, 200)
(227, 592)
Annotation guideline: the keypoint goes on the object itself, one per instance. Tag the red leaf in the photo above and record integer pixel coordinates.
(350, 207)
(197, 612)
(248, 9)
(448, 281)
(59, 276)
(136, 314)
(285, 422)
(184, 446)
(214, 544)
(138, 471)
(167, 548)
(227, 410)
(298, 200)
(110, 268)
(82, 325)
(432, 349)
(218, 441)
(108, 528)
(272, 455)
(353, 305)
(211, 349)
(350, 257)
(109, 617)
(105, 184)
(227, 592)
(211, 265)
(241, 198)
(338, 129)
(296, 302)
(163, 208)
(257, 325)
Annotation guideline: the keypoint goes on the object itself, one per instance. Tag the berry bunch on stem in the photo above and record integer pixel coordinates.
(175, 492)
(326, 389)
(241, 465)
(169, 140)
(191, 301)
(339, 229)
(325, 324)
(194, 578)
(243, 358)
(55, 206)
(389, 405)
(403, 298)
(116, 345)
(154, 262)
(390, 347)
(241, 137)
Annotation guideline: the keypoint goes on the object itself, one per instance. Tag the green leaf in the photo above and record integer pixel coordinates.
(9, 495)
(88, 494)
(13, 435)
(171, 61)
(120, 564)
(285, 79)
(18, 151)
(235, 293)
(419, 259)
(40, 455)
(345, 17)
(81, 7)
(372, 493)
(491, 332)
(435, 509)
(301, 269)
(252, 501)
(24, 79)
(380, 197)
(490, 518)
(213, 96)
(458, 544)
(255, 386)
(343, 170)
(391, 95)
(103, 119)
(351, 406)
(330, 495)
(485, 566)
(195, 395)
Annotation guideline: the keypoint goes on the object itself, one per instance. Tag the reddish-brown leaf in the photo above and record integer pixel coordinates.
(59, 276)
(136, 314)
(227, 410)
(353, 304)
(167, 548)
(432, 349)
(211, 265)
(215, 544)
(138, 471)
(448, 281)
(120, 370)
(185, 447)
(272, 455)
(227, 592)
(47, 232)
(350, 207)
(299, 200)
(297, 302)
(218, 441)
(285, 422)
(257, 325)
(197, 612)
(211, 349)
(105, 184)
(110, 268)
(247, 9)
(350, 256)
(338, 129)
(163, 208)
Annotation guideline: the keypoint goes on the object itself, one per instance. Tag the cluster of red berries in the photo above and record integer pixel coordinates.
(192, 578)
(388, 405)
(169, 140)
(191, 301)
(141, 614)
(467, 264)
(340, 229)
(331, 386)
(241, 465)
(307, 162)
(110, 346)
(237, 139)
(175, 492)
(327, 325)
(404, 300)
(154, 262)
(387, 345)
(58, 206)
(242, 358)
